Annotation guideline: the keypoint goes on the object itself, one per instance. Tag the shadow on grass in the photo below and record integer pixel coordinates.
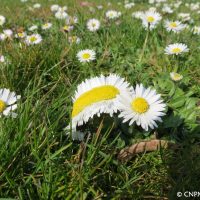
(184, 168)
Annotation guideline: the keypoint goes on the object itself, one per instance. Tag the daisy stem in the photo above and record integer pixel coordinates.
(144, 45)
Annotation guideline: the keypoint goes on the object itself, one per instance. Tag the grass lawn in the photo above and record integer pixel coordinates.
(39, 158)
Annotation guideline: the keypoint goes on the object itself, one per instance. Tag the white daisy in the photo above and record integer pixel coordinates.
(2, 59)
(175, 26)
(184, 16)
(150, 19)
(8, 101)
(71, 20)
(196, 30)
(86, 55)
(20, 35)
(167, 9)
(2, 20)
(55, 7)
(8, 33)
(68, 28)
(74, 39)
(93, 25)
(95, 96)
(142, 106)
(112, 14)
(33, 39)
(61, 14)
(175, 76)
(37, 5)
(176, 49)
(33, 28)
(129, 5)
(3, 37)
(46, 26)
(61, 9)
(137, 14)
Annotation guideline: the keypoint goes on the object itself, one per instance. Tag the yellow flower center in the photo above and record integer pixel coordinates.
(86, 56)
(177, 76)
(93, 24)
(21, 34)
(2, 106)
(94, 95)
(173, 25)
(176, 50)
(33, 39)
(66, 28)
(150, 19)
(140, 105)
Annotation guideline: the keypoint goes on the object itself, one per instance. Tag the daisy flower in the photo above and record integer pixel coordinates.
(55, 7)
(2, 59)
(8, 101)
(8, 33)
(86, 55)
(46, 26)
(32, 28)
(175, 76)
(184, 16)
(95, 96)
(20, 35)
(137, 14)
(142, 106)
(196, 30)
(33, 39)
(112, 14)
(71, 20)
(175, 26)
(68, 28)
(93, 25)
(129, 5)
(167, 9)
(61, 14)
(150, 19)
(37, 5)
(176, 49)
(74, 39)
(2, 20)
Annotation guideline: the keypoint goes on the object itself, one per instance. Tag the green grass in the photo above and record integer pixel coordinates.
(39, 161)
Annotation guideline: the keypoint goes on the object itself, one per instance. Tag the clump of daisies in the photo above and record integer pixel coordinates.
(111, 95)
(33, 39)
(8, 102)
(176, 49)
(150, 19)
(93, 25)
(86, 55)
(113, 14)
(2, 20)
(175, 26)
